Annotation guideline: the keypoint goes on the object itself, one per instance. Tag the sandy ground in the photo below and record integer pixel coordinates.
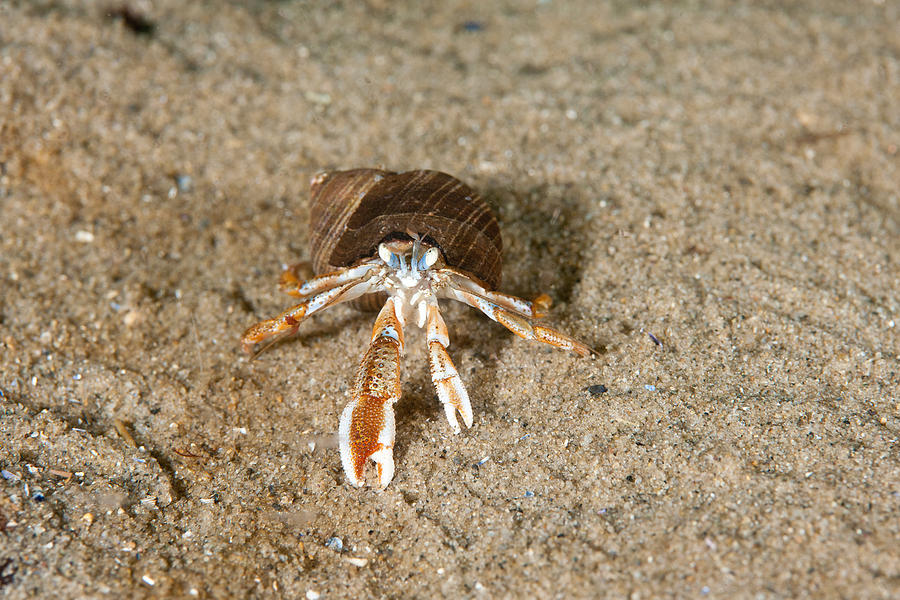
(720, 176)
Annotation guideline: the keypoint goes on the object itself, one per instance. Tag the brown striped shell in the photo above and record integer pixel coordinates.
(351, 212)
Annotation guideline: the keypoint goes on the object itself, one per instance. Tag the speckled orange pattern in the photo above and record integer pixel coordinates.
(377, 382)
(376, 388)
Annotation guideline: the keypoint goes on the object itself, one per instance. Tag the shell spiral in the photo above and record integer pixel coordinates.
(351, 212)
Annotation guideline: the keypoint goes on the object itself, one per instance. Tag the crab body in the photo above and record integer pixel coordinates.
(401, 241)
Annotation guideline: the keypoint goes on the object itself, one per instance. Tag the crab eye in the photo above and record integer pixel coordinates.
(389, 258)
(428, 259)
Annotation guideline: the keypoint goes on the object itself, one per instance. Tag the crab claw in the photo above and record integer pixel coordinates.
(449, 387)
(447, 383)
(366, 432)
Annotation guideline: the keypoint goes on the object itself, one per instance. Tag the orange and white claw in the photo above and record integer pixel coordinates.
(366, 430)
(284, 324)
(358, 446)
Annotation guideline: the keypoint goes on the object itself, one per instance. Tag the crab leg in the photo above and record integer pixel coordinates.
(447, 383)
(534, 309)
(520, 326)
(287, 322)
(366, 430)
(290, 282)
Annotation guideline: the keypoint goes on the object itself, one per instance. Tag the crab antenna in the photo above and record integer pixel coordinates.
(416, 252)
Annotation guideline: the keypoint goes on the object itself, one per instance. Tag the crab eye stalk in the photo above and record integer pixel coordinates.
(429, 258)
(389, 258)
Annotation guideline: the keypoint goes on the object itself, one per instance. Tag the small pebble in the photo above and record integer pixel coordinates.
(38, 496)
(185, 183)
(334, 543)
(596, 390)
(320, 98)
(357, 562)
(650, 388)
(7, 475)
(529, 494)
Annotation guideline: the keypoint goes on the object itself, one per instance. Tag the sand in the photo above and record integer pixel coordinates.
(707, 190)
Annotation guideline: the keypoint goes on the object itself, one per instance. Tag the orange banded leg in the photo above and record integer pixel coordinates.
(290, 282)
(547, 335)
(293, 276)
(521, 327)
(366, 430)
(287, 322)
(447, 383)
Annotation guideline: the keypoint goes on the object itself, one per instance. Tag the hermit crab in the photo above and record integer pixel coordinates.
(401, 241)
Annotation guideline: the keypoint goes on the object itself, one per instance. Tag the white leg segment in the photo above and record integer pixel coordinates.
(447, 383)
(290, 284)
(532, 309)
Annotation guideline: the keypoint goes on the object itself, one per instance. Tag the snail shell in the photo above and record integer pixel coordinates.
(351, 212)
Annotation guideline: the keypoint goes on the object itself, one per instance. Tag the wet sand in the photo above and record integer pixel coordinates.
(708, 192)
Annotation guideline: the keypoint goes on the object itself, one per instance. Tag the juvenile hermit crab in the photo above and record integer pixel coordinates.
(401, 241)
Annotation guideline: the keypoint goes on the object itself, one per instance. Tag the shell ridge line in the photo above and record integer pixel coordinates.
(338, 199)
(472, 247)
(443, 202)
(350, 207)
